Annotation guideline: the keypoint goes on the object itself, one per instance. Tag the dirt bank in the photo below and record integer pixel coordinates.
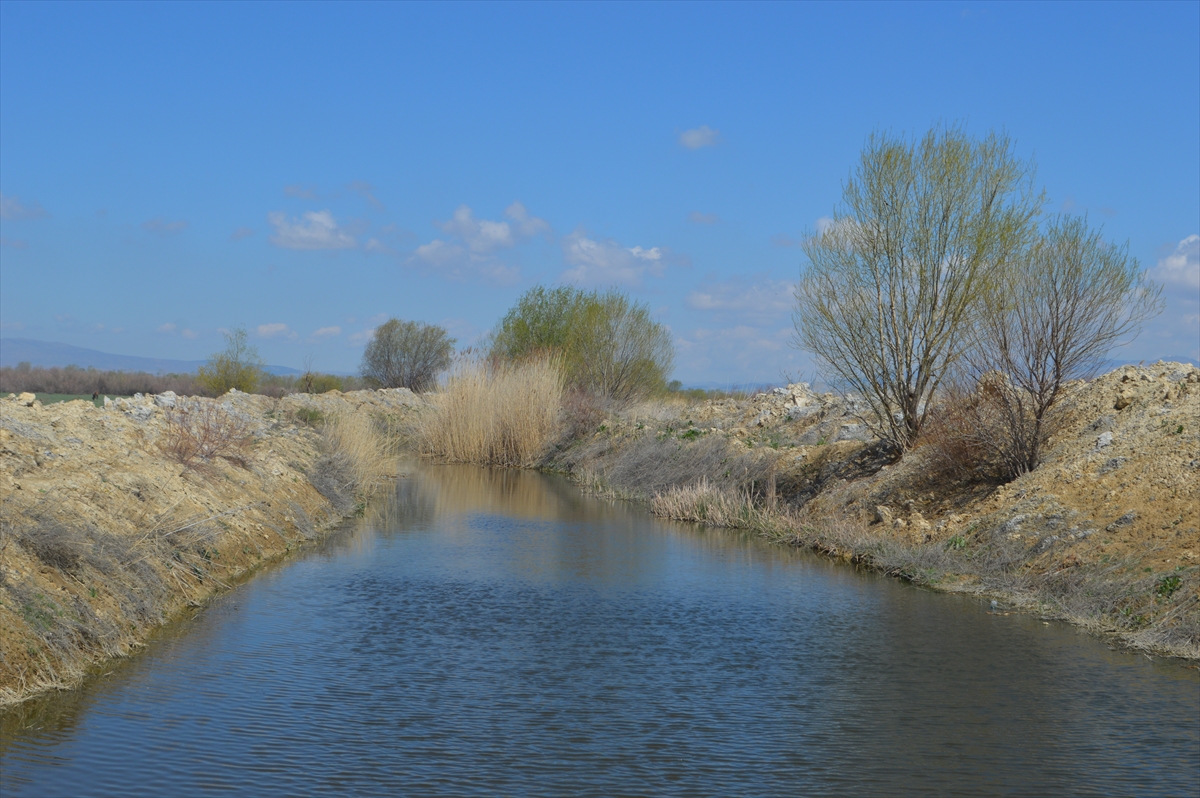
(114, 519)
(1103, 533)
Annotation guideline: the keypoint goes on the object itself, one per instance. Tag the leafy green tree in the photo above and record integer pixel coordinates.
(237, 366)
(887, 301)
(541, 321)
(608, 345)
(407, 354)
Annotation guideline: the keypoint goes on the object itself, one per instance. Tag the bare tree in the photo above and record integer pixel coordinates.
(1052, 318)
(886, 301)
(407, 354)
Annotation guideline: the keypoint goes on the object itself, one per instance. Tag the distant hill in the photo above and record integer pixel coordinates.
(48, 355)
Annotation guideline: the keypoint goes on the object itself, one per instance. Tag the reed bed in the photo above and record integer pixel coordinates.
(370, 446)
(494, 414)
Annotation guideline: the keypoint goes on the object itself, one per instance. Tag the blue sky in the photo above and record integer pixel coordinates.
(310, 170)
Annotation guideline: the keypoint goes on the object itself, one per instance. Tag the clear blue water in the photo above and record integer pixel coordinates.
(495, 632)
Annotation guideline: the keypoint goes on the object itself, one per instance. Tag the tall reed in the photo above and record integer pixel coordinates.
(367, 445)
(493, 413)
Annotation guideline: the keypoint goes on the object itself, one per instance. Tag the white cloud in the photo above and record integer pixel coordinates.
(480, 235)
(189, 334)
(276, 330)
(327, 332)
(300, 192)
(765, 298)
(240, 233)
(607, 262)
(527, 226)
(698, 137)
(1181, 267)
(166, 328)
(367, 192)
(362, 336)
(375, 245)
(318, 230)
(696, 217)
(472, 245)
(439, 253)
(160, 226)
(13, 208)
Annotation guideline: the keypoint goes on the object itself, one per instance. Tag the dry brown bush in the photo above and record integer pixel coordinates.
(200, 430)
(583, 413)
(967, 434)
(494, 413)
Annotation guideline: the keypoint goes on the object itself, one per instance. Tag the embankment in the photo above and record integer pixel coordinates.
(115, 519)
(1104, 533)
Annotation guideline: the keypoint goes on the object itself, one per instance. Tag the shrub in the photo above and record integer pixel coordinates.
(407, 354)
(237, 366)
(312, 382)
(965, 433)
(202, 430)
(607, 345)
(494, 413)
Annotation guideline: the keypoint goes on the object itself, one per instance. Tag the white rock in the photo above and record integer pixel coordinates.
(165, 399)
(1105, 439)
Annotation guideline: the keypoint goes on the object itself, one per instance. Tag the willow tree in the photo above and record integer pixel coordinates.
(236, 366)
(407, 354)
(1055, 313)
(887, 300)
(608, 345)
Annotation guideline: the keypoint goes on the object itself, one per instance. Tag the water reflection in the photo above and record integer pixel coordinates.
(484, 632)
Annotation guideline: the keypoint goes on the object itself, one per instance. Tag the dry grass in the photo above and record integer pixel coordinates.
(707, 503)
(494, 414)
(369, 445)
(359, 453)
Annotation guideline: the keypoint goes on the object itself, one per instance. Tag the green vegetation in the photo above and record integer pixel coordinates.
(407, 354)
(237, 366)
(608, 345)
(936, 280)
(887, 301)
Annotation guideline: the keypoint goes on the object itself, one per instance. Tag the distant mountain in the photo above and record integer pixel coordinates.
(49, 355)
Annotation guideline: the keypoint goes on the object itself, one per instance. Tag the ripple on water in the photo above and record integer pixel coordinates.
(524, 639)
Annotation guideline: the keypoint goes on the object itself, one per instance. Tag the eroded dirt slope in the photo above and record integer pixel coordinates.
(104, 534)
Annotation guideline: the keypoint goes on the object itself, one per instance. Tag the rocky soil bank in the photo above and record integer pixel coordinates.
(1105, 532)
(115, 519)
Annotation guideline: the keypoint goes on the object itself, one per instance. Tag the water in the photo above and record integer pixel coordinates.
(491, 632)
